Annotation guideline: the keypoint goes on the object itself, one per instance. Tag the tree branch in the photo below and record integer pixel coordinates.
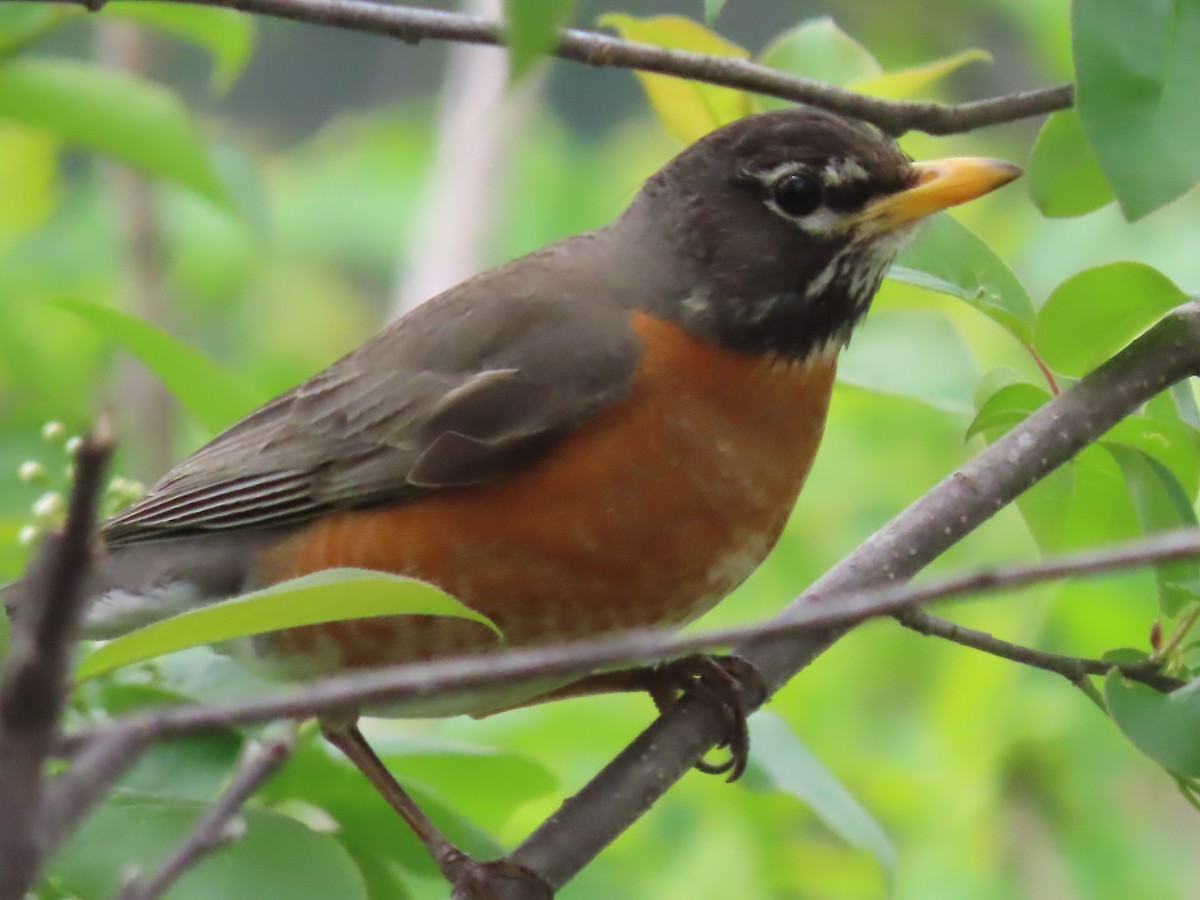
(1073, 668)
(219, 826)
(414, 24)
(663, 753)
(849, 593)
(445, 677)
(33, 685)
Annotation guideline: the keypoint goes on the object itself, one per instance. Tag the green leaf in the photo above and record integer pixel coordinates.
(1137, 71)
(948, 251)
(820, 50)
(21, 24)
(1065, 178)
(1008, 406)
(1161, 505)
(1095, 313)
(207, 391)
(275, 850)
(780, 762)
(227, 35)
(316, 777)
(901, 83)
(328, 596)
(532, 30)
(1166, 727)
(918, 355)
(688, 109)
(485, 783)
(134, 121)
(1169, 441)
(712, 9)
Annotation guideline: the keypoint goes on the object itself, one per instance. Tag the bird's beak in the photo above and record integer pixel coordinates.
(939, 184)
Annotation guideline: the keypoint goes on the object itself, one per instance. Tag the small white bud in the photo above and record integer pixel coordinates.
(54, 432)
(73, 444)
(28, 535)
(234, 831)
(32, 472)
(49, 506)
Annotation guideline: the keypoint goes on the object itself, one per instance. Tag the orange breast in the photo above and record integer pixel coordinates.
(647, 515)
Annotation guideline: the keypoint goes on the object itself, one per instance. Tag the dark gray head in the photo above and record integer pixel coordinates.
(790, 219)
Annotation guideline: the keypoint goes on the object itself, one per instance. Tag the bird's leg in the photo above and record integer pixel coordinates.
(346, 737)
(733, 685)
(471, 879)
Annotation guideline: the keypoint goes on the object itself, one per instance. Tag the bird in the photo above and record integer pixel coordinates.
(608, 433)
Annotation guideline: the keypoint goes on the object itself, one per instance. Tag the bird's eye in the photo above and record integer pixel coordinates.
(796, 194)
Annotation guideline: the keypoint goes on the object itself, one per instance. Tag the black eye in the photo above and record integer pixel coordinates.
(796, 194)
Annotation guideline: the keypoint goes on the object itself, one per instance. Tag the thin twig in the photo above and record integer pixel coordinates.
(448, 676)
(33, 685)
(220, 825)
(413, 25)
(1072, 668)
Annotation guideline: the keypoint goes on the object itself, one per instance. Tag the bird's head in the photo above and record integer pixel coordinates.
(790, 220)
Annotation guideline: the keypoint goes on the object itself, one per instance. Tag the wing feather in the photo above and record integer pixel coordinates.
(467, 388)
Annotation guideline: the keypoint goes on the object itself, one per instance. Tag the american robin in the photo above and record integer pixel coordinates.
(605, 434)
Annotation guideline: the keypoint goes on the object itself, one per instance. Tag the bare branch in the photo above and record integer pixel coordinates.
(447, 676)
(1073, 668)
(414, 24)
(219, 826)
(663, 753)
(34, 681)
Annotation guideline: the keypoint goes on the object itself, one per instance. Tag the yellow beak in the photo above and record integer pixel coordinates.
(940, 184)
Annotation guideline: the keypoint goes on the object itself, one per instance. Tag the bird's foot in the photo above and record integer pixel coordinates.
(733, 685)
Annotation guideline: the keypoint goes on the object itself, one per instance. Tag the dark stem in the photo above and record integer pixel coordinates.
(33, 686)
(413, 25)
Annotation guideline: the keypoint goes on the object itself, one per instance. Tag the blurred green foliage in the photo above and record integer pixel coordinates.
(988, 780)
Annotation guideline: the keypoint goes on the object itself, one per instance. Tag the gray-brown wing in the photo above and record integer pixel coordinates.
(467, 388)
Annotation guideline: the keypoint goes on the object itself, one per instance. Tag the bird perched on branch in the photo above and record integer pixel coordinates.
(605, 434)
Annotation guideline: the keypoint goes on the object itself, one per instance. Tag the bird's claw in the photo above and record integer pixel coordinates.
(731, 684)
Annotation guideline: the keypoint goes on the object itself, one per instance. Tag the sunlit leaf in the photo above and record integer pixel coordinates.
(1065, 179)
(1137, 69)
(114, 113)
(28, 179)
(952, 254)
(687, 109)
(207, 391)
(326, 596)
(1166, 727)
(918, 355)
(135, 830)
(900, 83)
(531, 29)
(227, 35)
(787, 765)
(1095, 313)
(1161, 505)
